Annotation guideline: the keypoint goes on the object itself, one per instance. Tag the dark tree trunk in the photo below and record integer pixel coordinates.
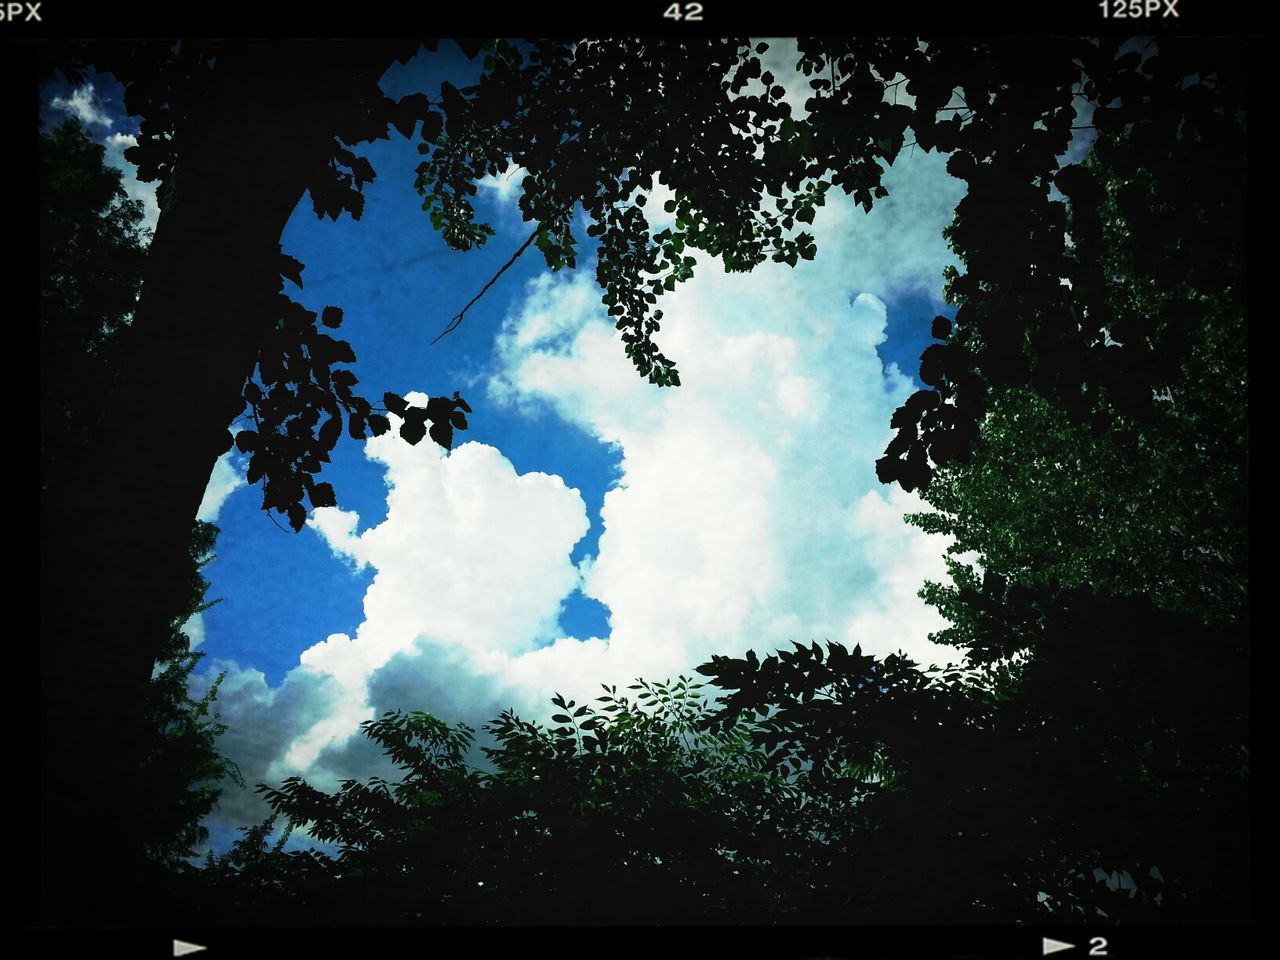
(114, 537)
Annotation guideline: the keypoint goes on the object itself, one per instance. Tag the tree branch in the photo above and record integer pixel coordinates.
(457, 319)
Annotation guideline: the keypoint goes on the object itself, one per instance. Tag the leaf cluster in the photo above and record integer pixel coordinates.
(1037, 301)
(296, 384)
(594, 123)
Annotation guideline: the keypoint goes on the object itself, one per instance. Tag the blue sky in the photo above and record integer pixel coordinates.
(588, 528)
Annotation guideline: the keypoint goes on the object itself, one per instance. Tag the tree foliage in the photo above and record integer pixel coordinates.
(1094, 749)
(92, 250)
(92, 246)
(624, 810)
(182, 774)
(1099, 313)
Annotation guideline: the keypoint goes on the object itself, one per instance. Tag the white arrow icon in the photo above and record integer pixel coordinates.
(181, 948)
(1053, 946)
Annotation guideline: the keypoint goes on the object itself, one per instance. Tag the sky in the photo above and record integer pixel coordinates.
(588, 527)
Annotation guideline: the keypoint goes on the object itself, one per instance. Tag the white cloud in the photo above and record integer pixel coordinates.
(85, 105)
(193, 627)
(224, 480)
(472, 557)
(117, 144)
(505, 186)
(747, 513)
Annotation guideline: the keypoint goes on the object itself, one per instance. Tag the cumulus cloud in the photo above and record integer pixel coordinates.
(746, 512)
(472, 558)
(224, 480)
(84, 104)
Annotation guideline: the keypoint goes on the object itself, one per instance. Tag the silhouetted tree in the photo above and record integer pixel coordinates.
(237, 133)
(1092, 756)
(625, 810)
(92, 249)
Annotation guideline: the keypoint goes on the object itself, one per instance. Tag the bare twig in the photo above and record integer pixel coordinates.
(457, 319)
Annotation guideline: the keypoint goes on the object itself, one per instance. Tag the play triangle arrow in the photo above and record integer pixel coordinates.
(1053, 946)
(181, 948)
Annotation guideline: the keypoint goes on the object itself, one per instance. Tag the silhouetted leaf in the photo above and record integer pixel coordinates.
(442, 434)
(291, 269)
(322, 495)
(413, 430)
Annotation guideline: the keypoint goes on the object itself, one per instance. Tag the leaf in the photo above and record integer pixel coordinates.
(459, 420)
(395, 403)
(941, 328)
(455, 105)
(329, 350)
(322, 495)
(247, 442)
(378, 424)
(291, 269)
(934, 364)
(329, 433)
(363, 171)
(297, 516)
(413, 430)
(471, 48)
(432, 126)
(331, 317)
(442, 434)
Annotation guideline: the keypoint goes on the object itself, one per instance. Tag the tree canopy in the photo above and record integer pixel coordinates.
(92, 250)
(1098, 319)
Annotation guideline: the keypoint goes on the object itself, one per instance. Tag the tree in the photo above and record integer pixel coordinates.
(1092, 757)
(626, 810)
(182, 772)
(238, 132)
(92, 248)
